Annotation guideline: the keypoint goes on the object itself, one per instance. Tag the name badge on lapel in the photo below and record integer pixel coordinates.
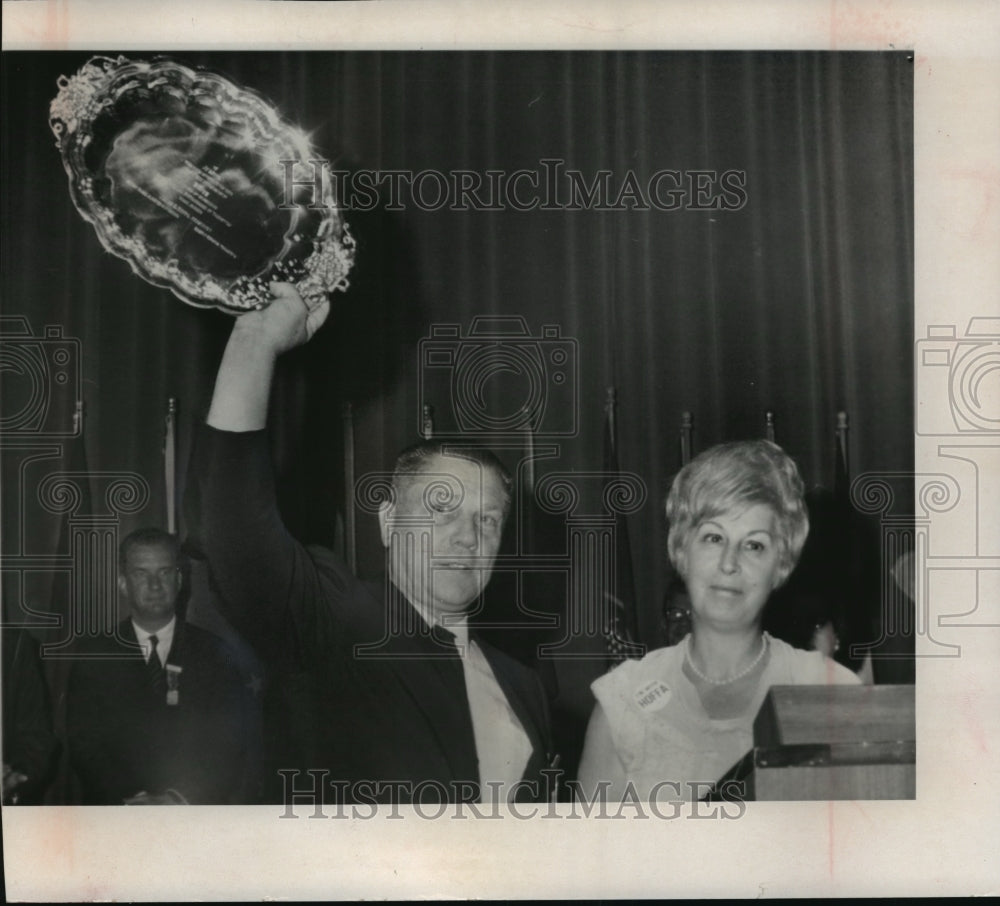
(173, 684)
(652, 696)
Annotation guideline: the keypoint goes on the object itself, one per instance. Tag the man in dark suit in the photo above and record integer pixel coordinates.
(29, 744)
(394, 698)
(159, 713)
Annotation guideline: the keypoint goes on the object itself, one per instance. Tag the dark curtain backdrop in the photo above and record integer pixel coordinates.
(800, 302)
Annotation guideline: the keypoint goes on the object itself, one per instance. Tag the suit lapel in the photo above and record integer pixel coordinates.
(126, 634)
(435, 683)
(176, 653)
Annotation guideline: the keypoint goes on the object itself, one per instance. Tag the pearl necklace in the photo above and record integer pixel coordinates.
(732, 679)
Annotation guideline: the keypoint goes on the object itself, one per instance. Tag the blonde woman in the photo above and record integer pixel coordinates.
(685, 713)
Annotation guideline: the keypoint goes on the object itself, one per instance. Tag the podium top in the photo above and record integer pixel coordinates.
(835, 715)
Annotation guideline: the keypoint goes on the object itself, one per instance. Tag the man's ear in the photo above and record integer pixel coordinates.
(383, 521)
(122, 587)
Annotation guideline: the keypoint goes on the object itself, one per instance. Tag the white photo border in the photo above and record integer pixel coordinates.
(942, 843)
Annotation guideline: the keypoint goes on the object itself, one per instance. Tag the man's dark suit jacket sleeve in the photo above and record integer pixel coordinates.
(29, 744)
(264, 575)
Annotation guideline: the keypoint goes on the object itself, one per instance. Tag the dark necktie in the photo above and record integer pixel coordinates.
(445, 638)
(456, 722)
(157, 678)
(444, 645)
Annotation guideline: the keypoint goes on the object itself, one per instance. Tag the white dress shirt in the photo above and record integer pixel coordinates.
(502, 745)
(164, 639)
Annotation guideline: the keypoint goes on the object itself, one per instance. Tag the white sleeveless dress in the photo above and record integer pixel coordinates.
(662, 733)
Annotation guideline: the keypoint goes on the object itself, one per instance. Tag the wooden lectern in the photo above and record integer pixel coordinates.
(833, 742)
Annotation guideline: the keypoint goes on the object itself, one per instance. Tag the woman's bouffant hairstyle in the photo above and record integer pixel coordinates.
(734, 476)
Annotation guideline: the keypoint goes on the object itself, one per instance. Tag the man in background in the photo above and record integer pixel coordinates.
(29, 745)
(159, 714)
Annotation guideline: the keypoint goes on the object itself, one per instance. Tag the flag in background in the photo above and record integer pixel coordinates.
(68, 599)
(855, 617)
(620, 630)
(842, 578)
(76, 467)
(841, 476)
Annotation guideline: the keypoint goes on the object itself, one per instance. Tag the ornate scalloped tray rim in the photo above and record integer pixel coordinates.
(316, 250)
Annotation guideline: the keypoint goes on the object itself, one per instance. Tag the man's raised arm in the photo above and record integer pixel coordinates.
(258, 566)
(243, 384)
